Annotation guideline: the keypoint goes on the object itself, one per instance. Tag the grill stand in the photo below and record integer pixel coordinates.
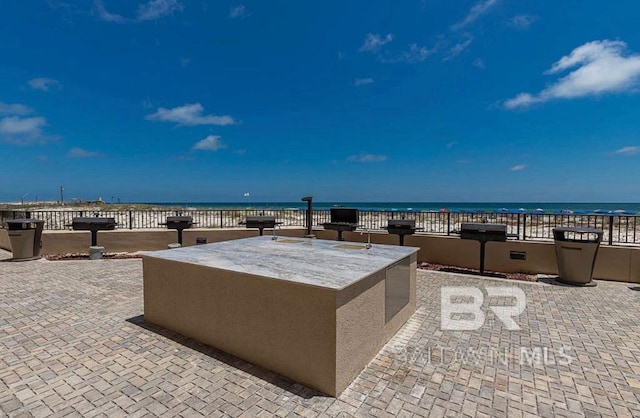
(483, 232)
(340, 228)
(402, 227)
(401, 240)
(93, 225)
(483, 243)
(261, 222)
(179, 235)
(179, 223)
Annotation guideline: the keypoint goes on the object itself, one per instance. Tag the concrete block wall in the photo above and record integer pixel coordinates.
(617, 263)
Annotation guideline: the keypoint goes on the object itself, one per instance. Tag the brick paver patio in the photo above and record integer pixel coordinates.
(73, 343)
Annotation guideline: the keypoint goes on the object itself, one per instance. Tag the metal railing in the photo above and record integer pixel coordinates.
(618, 229)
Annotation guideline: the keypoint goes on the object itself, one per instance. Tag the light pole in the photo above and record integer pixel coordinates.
(22, 198)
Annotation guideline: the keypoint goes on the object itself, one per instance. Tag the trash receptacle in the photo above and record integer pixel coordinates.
(26, 238)
(576, 251)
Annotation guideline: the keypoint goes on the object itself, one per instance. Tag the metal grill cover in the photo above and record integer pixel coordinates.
(401, 224)
(93, 224)
(261, 222)
(176, 222)
(344, 215)
(483, 231)
(401, 227)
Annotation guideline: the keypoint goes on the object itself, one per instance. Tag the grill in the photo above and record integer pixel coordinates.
(402, 227)
(342, 219)
(179, 223)
(483, 233)
(261, 222)
(94, 225)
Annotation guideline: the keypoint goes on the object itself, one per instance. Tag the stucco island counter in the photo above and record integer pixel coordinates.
(314, 311)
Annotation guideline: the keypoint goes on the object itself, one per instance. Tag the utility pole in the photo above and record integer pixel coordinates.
(61, 195)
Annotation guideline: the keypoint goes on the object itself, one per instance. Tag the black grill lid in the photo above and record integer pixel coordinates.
(344, 215)
(483, 231)
(256, 221)
(89, 224)
(483, 227)
(402, 223)
(180, 219)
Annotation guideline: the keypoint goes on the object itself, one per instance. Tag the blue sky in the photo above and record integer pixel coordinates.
(420, 100)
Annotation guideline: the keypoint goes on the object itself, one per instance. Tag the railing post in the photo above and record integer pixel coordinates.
(221, 225)
(130, 219)
(448, 223)
(518, 226)
(611, 230)
(524, 227)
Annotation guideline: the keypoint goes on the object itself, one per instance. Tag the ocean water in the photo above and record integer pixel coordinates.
(510, 207)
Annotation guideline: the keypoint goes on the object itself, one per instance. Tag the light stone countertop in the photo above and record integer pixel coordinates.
(329, 264)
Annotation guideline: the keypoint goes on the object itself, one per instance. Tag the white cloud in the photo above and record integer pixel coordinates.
(522, 22)
(458, 48)
(81, 153)
(104, 15)
(367, 158)
(633, 150)
(152, 10)
(451, 144)
(155, 9)
(518, 167)
(14, 109)
(14, 125)
(43, 83)
(210, 143)
(237, 12)
(603, 67)
(22, 131)
(373, 42)
(479, 63)
(190, 115)
(363, 81)
(184, 61)
(413, 55)
(476, 11)
(522, 100)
